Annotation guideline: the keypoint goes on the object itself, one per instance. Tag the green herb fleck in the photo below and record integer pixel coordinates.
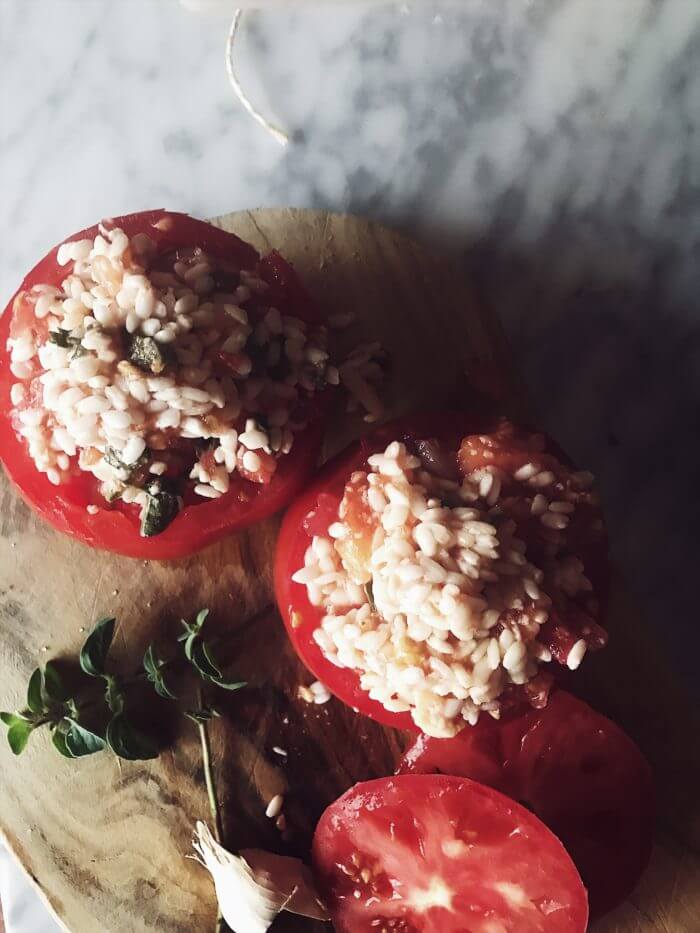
(126, 470)
(148, 354)
(63, 338)
(159, 511)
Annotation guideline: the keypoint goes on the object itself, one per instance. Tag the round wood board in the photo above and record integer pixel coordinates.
(104, 840)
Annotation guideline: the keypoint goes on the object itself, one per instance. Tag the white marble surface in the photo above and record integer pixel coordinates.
(551, 144)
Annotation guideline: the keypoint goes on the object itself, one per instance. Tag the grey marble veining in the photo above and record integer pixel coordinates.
(551, 145)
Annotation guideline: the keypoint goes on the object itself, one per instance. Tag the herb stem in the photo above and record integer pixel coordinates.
(209, 776)
(211, 792)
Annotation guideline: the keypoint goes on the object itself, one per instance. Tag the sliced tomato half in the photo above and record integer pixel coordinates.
(436, 437)
(578, 771)
(435, 854)
(201, 521)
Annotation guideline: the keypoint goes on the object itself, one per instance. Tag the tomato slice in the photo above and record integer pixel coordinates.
(437, 854)
(200, 522)
(578, 771)
(433, 435)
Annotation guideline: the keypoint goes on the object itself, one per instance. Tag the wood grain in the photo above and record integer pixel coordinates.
(105, 840)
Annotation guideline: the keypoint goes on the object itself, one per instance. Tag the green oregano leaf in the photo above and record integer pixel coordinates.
(230, 685)
(93, 654)
(153, 666)
(369, 593)
(53, 688)
(128, 742)
(10, 719)
(35, 692)
(81, 741)
(203, 661)
(208, 667)
(195, 627)
(18, 735)
(59, 743)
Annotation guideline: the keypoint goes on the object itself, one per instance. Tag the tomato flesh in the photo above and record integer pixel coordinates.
(311, 515)
(115, 527)
(436, 854)
(579, 772)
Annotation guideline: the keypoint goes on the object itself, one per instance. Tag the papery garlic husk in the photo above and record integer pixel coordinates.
(254, 886)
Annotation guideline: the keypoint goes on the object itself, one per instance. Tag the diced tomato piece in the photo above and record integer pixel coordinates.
(356, 549)
(322, 516)
(263, 473)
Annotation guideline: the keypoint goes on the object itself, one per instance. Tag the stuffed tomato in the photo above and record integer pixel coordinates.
(161, 385)
(440, 569)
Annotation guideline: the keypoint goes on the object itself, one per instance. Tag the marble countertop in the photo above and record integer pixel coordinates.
(551, 145)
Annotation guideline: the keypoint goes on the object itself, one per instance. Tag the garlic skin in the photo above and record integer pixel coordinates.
(255, 886)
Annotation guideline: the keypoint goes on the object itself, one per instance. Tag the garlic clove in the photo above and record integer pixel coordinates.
(255, 886)
(293, 878)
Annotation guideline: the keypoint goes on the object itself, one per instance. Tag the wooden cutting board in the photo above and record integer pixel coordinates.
(103, 840)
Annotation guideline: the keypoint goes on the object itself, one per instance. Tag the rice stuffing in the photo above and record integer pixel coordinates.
(136, 358)
(428, 592)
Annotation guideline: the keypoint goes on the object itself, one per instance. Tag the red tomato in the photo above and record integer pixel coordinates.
(435, 854)
(581, 775)
(434, 434)
(201, 522)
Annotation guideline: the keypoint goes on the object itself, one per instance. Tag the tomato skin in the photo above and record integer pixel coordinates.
(484, 862)
(117, 529)
(311, 514)
(577, 771)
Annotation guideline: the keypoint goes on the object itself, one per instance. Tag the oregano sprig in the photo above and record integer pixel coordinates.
(74, 719)
(99, 714)
(82, 725)
(200, 654)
